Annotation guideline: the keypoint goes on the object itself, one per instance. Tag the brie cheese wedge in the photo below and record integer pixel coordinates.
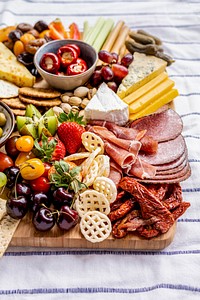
(106, 105)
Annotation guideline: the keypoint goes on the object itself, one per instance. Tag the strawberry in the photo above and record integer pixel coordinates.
(70, 131)
(49, 149)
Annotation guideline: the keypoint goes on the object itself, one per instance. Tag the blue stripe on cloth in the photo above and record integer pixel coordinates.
(102, 290)
(101, 252)
(190, 94)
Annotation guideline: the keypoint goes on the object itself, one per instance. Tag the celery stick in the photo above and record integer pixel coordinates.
(95, 31)
(86, 29)
(100, 39)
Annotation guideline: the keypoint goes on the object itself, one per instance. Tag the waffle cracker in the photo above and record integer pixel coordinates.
(91, 200)
(2, 208)
(103, 165)
(39, 102)
(14, 103)
(92, 141)
(39, 93)
(91, 174)
(106, 186)
(95, 226)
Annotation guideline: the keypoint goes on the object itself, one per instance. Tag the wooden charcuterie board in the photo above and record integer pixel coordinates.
(27, 236)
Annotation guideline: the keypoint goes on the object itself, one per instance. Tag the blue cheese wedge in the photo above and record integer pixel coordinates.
(12, 70)
(106, 105)
(143, 69)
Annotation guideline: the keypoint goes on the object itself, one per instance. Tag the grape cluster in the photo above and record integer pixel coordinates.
(47, 209)
(113, 70)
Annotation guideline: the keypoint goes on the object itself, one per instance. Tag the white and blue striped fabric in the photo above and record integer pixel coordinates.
(172, 273)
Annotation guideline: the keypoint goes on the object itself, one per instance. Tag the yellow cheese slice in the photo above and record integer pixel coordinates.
(12, 70)
(145, 89)
(143, 69)
(154, 106)
(151, 96)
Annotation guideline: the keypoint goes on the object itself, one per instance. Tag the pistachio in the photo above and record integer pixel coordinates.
(65, 98)
(84, 102)
(82, 114)
(57, 110)
(75, 109)
(66, 107)
(81, 91)
(91, 93)
(76, 101)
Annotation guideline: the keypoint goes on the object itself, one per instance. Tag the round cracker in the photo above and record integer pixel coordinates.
(14, 103)
(39, 93)
(37, 102)
(18, 112)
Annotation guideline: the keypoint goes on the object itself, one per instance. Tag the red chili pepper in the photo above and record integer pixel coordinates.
(50, 62)
(74, 31)
(67, 55)
(76, 47)
(78, 67)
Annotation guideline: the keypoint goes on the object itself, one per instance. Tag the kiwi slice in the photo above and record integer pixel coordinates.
(51, 123)
(32, 111)
(21, 121)
(29, 129)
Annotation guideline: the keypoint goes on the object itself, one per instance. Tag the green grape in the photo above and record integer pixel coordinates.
(3, 179)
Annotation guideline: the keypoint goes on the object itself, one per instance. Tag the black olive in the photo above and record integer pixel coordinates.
(34, 72)
(15, 35)
(41, 26)
(26, 59)
(24, 27)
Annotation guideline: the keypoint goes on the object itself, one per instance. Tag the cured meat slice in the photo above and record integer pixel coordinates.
(120, 132)
(167, 152)
(121, 156)
(150, 205)
(173, 164)
(141, 169)
(167, 178)
(149, 144)
(173, 170)
(115, 176)
(178, 174)
(163, 126)
(132, 146)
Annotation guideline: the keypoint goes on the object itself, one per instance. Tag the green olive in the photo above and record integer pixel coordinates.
(1, 132)
(2, 119)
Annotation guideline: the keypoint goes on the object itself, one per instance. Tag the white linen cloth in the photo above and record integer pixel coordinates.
(173, 273)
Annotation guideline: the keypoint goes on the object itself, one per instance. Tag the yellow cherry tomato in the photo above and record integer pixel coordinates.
(22, 157)
(25, 143)
(32, 169)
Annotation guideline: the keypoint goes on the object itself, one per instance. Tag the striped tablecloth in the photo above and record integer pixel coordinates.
(173, 273)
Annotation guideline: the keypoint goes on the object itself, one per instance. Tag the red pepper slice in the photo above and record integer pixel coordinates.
(74, 31)
(78, 67)
(67, 55)
(50, 62)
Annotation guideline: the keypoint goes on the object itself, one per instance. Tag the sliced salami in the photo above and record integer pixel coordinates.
(174, 163)
(163, 126)
(167, 152)
(173, 170)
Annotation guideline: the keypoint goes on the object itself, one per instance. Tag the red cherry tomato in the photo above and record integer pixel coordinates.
(47, 167)
(50, 62)
(40, 184)
(78, 67)
(5, 161)
(67, 55)
(10, 146)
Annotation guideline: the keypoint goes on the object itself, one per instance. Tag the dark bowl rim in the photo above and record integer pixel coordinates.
(64, 76)
(8, 134)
